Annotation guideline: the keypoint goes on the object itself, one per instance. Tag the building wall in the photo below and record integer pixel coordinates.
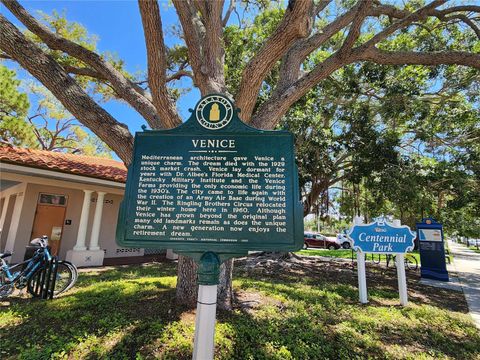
(69, 232)
(73, 211)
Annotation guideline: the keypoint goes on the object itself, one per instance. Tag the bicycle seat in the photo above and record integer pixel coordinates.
(3, 256)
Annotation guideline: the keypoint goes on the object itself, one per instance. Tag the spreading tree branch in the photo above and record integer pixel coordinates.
(293, 88)
(293, 59)
(178, 75)
(84, 71)
(193, 36)
(203, 34)
(157, 63)
(354, 32)
(419, 58)
(213, 47)
(297, 23)
(420, 14)
(123, 87)
(231, 7)
(65, 89)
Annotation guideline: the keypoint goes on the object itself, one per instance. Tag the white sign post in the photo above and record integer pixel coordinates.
(362, 272)
(381, 238)
(402, 279)
(204, 345)
(401, 275)
(208, 278)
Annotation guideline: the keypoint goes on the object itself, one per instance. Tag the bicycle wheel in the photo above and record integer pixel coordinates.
(376, 260)
(411, 263)
(6, 288)
(74, 270)
(64, 280)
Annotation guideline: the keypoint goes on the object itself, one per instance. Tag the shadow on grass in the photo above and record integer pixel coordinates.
(127, 272)
(103, 314)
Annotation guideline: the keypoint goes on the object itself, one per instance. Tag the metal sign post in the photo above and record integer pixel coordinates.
(208, 273)
(401, 275)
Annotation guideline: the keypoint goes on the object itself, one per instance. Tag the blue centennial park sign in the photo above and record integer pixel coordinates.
(214, 184)
(382, 237)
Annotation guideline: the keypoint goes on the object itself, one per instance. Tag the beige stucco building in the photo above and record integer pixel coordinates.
(72, 199)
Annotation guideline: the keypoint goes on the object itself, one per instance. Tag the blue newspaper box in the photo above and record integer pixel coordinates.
(432, 250)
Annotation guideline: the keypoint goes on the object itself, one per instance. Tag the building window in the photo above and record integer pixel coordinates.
(52, 199)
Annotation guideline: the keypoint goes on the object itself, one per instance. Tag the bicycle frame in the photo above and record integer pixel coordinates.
(32, 264)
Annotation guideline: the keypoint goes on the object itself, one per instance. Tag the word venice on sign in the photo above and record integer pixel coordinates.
(381, 237)
(212, 189)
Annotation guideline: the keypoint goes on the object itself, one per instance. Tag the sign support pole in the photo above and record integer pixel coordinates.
(205, 322)
(402, 279)
(208, 279)
(401, 275)
(361, 270)
(362, 277)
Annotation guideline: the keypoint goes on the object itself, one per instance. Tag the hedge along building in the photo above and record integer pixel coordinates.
(72, 199)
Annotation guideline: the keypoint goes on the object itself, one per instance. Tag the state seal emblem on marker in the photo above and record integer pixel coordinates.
(214, 112)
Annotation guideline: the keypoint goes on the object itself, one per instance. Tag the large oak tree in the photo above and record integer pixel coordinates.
(356, 31)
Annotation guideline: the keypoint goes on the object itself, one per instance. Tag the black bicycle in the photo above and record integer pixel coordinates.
(28, 273)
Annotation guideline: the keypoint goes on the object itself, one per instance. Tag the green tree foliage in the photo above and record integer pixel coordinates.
(76, 32)
(47, 127)
(14, 105)
(56, 130)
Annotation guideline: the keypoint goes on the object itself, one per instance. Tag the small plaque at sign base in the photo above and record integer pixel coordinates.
(212, 184)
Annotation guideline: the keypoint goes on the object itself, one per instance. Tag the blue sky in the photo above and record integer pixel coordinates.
(119, 29)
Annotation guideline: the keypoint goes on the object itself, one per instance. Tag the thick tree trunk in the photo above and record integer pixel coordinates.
(225, 289)
(187, 288)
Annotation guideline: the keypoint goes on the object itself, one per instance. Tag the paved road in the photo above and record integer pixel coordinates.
(467, 265)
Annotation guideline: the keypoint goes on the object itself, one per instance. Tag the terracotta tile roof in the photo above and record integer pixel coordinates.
(90, 166)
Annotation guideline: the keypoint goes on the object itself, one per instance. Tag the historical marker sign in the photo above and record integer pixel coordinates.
(382, 237)
(212, 184)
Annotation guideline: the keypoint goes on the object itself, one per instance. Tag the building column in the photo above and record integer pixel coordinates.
(3, 217)
(82, 227)
(15, 223)
(97, 221)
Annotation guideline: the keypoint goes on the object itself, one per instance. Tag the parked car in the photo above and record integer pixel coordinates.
(319, 241)
(473, 242)
(344, 241)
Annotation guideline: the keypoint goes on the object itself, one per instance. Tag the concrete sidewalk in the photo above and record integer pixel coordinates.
(467, 265)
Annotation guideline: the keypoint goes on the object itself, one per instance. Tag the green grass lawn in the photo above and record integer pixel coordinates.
(306, 311)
